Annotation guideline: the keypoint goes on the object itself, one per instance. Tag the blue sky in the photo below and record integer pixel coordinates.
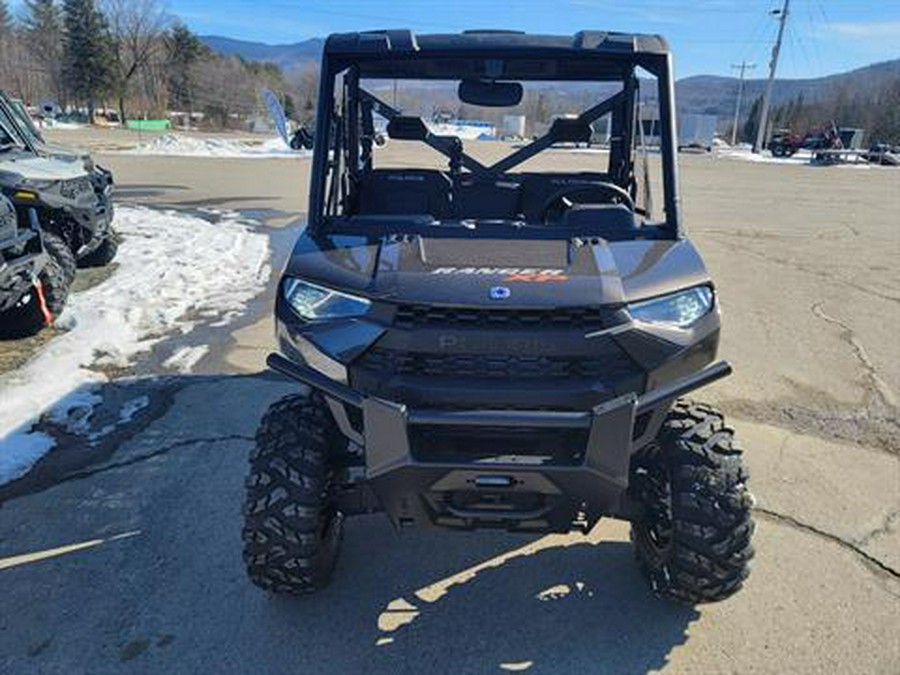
(824, 36)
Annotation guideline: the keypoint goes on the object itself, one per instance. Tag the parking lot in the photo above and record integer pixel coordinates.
(125, 556)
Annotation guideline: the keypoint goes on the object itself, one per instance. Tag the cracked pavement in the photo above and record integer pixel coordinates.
(128, 560)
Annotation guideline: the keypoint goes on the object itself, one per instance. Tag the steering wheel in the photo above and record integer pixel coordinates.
(586, 193)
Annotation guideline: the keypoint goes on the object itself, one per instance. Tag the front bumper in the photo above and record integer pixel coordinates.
(96, 222)
(513, 492)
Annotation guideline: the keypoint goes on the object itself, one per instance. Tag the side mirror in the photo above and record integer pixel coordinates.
(490, 94)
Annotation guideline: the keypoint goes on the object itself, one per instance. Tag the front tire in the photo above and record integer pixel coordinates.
(26, 318)
(292, 532)
(56, 281)
(104, 253)
(693, 540)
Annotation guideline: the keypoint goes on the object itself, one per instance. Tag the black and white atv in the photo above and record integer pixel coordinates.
(73, 195)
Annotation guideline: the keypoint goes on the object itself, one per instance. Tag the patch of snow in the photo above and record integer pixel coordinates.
(126, 414)
(132, 408)
(185, 358)
(574, 150)
(20, 450)
(745, 153)
(802, 158)
(467, 132)
(64, 126)
(73, 413)
(176, 145)
(173, 272)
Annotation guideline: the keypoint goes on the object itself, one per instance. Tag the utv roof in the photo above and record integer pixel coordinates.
(587, 55)
(583, 43)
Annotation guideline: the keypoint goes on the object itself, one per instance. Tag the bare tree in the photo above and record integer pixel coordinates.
(137, 28)
(304, 78)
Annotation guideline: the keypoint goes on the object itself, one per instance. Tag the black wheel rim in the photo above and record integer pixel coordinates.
(654, 528)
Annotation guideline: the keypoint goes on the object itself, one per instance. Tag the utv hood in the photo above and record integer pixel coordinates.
(30, 167)
(64, 153)
(514, 273)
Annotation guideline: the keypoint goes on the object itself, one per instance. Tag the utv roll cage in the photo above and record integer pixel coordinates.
(345, 136)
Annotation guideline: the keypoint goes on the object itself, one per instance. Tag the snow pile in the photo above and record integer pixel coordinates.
(185, 358)
(175, 145)
(745, 152)
(174, 271)
(802, 158)
(467, 132)
(64, 126)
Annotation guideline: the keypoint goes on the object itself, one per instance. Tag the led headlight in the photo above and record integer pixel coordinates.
(678, 309)
(312, 301)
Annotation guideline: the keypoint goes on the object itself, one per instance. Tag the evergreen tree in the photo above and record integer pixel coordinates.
(290, 107)
(8, 71)
(5, 20)
(184, 49)
(43, 27)
(752, 124)
(86, 51)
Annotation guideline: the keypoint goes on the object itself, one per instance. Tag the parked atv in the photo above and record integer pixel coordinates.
(487, 347)
(81, 211)
(302, 139)
(36, 266)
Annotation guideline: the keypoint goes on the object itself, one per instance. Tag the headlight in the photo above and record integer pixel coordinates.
(312, 302)
(678, 309)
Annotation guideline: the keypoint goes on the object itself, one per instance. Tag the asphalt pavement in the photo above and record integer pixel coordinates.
(127, 560)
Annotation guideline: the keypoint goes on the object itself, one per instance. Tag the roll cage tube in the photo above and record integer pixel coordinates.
(344, 121)
(13, 125)
(19, 116)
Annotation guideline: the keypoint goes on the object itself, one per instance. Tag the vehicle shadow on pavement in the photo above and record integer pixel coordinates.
(143, 545)
(467, 603)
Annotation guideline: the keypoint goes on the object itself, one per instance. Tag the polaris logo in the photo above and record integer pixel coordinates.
(499, 293)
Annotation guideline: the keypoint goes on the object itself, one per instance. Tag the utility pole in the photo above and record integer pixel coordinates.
(743, 66)
(782, 15)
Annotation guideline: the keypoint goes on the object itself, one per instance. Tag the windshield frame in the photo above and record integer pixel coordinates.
(11, 121)
(332, 132)
(10, 129)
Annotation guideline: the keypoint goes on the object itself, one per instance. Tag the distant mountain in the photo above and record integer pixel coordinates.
(285, 56)
(709, 94)
(715, 95)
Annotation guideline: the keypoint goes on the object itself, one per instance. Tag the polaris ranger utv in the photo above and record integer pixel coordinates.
(485, 346)
(77, 209)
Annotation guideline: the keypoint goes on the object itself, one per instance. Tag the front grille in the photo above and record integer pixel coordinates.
(425, 316)
(72, 189)
(387, 363)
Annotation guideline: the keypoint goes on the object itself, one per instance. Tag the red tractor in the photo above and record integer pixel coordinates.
(784, 143)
